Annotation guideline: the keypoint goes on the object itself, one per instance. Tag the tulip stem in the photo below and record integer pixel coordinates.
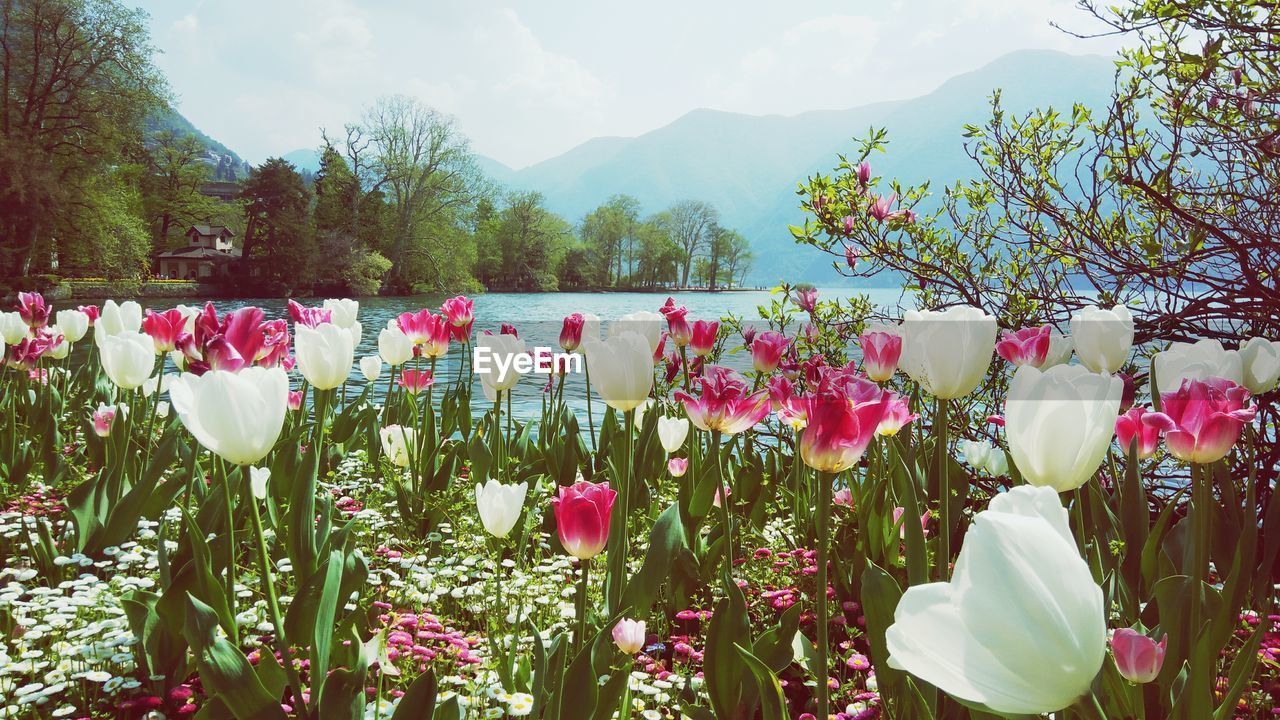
(231, 547)
(591, 423)
(944, 489)
(580, 614)
(726, 518)
(273, 607)
(825, 481)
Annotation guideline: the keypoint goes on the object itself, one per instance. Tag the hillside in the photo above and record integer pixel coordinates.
(748, 166)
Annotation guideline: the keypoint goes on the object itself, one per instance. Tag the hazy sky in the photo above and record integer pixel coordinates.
(529, 79)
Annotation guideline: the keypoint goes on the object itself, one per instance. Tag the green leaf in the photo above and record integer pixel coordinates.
(724, 672)
(419, 701)
(772, 702)
(322, 637)
(224, 670)
(666, 541)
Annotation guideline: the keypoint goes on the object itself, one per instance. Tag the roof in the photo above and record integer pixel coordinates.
(199, 253)
(211, 230)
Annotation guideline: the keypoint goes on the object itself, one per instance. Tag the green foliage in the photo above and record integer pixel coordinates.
(279, 245)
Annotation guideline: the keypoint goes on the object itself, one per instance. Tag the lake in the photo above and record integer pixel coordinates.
(537, 317)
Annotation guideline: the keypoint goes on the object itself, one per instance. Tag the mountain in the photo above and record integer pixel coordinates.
(748, 166)
(226, 164)
(306, 160)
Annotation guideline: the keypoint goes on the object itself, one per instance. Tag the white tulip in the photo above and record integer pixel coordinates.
(590, 329)
(1020, 628)
(123, 360)
(1102, 338)
(357, 334)
(343, 312)
(371, 367)
(324, 353)
(640, 413)
(1260, 360)
(258, 478)
(398, 444)
(948, 352)
(1060, 422)
(1196, 361)
(394, 346)
(672, 432)
(621, 369)
(116, 319)
(1060, 349)
(237, 415)
(73, 324)
(647, 324)
(500, 506)
(63, 348)
(498, 372)
(13, 328)
(982, 455)
(153, 383)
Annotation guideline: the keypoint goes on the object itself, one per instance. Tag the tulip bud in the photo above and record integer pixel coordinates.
(295, 400)
(1130, 427)
(1021, 626)
(371, 367)
(948, 352)
(583, 513)
(74, 324)
(628, 635)
(325, 354)
(415, 381)
(677, 323)
(621, 369)
(104, 417)
(237, 415)
(1102, 338)
(881, 352)
(395, 347)
(678, 466)
(258, 477)
(672, 433)
(33, 310)
(1260, 360)
(646, 324)
(1138, 657)
(127, 358)
(1028, 346)
(1059, 423)
(343, 313)
(767, 349)
(500, 506)
(703, 340)
(571, 332)
(398, 444)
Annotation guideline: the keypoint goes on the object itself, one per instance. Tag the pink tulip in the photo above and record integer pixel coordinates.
(881, 352)
(628, 635)
(92, 311)
(1138, 657)
(1130, 394)
(703, 340)
(767, 350)
(103, 418)
(677, 322)
(164, 328)
(275, 344)
(807, 299)
(997, 420)
(582, 513)
(571, 332)
(1202, 420)
(309, 316)
(415, 381)
(33, 309)
(722, 492)
(28, 352)
(897, 415)
(428, 332)
(726, 404)
(459, 311)
(843, 414)
(678, 466)
(843, 497)
(1130, 427)
(781, 391)
(295, 400)
(508, 329)
(902, 531)
(1028, 346)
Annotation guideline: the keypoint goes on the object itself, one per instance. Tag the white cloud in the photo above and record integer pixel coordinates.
(186, 24)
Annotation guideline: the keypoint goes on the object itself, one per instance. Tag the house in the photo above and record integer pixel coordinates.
(205, 257)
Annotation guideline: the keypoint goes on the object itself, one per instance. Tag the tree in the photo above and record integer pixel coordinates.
(690, 223)
(430, 178)
(736, 258)
(78, 82)
(278, 251)
(659, 257)
(521, 247)
(175, 172)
